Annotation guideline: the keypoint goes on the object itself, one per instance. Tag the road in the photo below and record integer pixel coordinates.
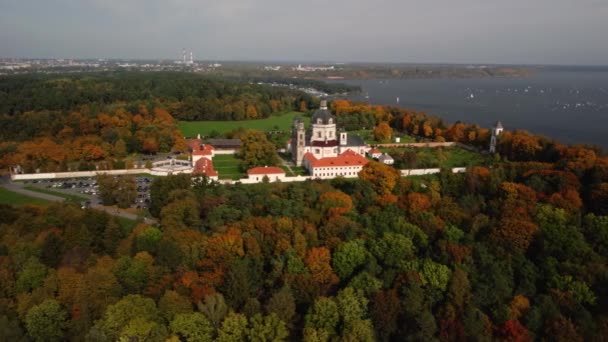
(18, 188)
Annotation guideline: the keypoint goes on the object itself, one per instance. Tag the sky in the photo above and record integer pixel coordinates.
(569, 32)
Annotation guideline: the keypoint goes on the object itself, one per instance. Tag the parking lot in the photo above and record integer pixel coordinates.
(88, 189)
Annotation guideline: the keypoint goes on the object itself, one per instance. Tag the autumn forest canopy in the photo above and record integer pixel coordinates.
(516, 250)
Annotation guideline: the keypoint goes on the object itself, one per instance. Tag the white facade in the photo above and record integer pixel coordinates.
(336, 171)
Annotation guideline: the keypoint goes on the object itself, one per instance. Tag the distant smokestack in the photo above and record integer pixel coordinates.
(191, 58)
(184, 55)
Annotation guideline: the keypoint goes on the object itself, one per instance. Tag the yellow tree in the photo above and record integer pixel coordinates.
(382, 177)
(383, 132)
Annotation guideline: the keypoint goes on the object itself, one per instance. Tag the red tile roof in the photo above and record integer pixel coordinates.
(206, 150)
(194, 144)
(310, 157)
(265, 170)
(204, 166)
(199, 149)
(348, 158)
(374, 151)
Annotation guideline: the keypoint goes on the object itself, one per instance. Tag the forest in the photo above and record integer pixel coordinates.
(513, 251)
(187, 96)
(88, 121)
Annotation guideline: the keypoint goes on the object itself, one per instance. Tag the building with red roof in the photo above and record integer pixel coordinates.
(204, 166)
(323, 139)
(272, 172)
(348, 164)
(200, 150)
(374, 153)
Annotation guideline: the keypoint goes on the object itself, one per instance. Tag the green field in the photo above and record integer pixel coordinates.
(368, 136)
(227, 165)
(441, 157)
(282, 122)
(68, 197)
(13, 198)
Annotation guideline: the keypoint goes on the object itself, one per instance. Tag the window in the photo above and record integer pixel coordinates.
(317, 151)
(319, 121)
(319, 134)
(330, 121)
(331, 134)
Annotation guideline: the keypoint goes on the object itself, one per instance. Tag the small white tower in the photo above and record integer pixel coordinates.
(191, 58)
(184, 56)
(496, 131)
(343, 138)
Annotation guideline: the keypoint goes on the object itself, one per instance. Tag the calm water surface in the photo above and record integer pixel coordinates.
(568, 104)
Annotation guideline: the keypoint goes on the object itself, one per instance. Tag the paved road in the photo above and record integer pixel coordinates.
(18, 188)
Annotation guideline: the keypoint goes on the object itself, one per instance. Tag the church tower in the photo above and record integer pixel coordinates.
(298, 141)
(343, 137)
(496, 131)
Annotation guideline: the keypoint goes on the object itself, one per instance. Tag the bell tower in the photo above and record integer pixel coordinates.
(496, 131)
(298, 141)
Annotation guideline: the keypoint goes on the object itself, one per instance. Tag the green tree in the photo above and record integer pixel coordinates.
(46, 321)
(267, 328)
(214, 308)
(392, 248)
(31, 277)
(323, 316)
(256, 150)
(119, 315)
(172, 303)
(352, 305)
(126, 191)
(348, 257)
(283, 304)
(148, 239)
(234, 328)
(193, 327)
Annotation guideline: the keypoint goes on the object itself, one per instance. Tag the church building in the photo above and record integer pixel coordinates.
(322, 139)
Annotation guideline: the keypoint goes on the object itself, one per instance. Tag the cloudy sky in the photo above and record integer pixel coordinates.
(418, 31)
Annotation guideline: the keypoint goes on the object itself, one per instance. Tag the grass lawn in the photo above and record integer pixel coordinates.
(442, 157)
(368, 137)
(282, 122)
(68, 197)
(13, 198)
(227, 165)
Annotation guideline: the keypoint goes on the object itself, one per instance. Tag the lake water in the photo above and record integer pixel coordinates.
(569, 104)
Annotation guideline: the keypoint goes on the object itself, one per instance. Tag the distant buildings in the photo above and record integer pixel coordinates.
(313, 68)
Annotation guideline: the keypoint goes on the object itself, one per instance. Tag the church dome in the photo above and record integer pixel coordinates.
(323, 116)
